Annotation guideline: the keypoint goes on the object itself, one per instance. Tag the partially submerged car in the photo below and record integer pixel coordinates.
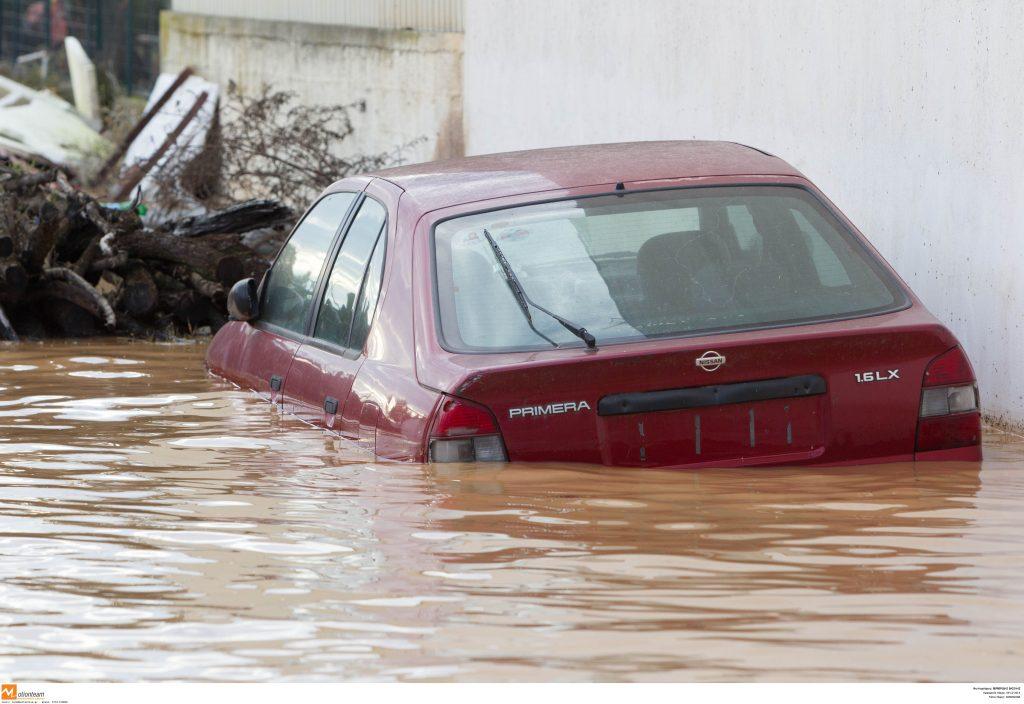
(654, 304)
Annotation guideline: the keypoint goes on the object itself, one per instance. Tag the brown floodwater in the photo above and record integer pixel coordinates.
(157, 523)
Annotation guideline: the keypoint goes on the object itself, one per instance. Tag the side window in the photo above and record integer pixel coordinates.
(335, 319)
(291, 283)
(369, 295)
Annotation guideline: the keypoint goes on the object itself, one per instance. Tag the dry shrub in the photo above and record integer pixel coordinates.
(269, 145)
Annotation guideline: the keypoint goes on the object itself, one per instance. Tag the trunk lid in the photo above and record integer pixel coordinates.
(835, 392)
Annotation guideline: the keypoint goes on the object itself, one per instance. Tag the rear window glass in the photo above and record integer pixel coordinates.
(656, 264)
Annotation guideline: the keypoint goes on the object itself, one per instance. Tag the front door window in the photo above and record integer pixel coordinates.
(291, 283)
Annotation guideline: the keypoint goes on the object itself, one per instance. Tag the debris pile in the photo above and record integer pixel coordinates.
(202, 192)
(72, 266)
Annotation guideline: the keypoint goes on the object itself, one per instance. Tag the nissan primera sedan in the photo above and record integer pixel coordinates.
(657, 304)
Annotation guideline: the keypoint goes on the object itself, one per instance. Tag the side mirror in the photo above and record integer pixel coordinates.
(243, 300)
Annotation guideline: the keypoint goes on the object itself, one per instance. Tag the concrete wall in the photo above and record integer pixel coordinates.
(909, 115)
(428, 15)
(411, 80)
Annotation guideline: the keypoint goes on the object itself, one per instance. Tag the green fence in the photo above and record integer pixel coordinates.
(121, 36)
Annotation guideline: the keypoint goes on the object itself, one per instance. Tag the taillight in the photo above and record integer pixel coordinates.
(465, 432)
(948, 368)
(950, 411)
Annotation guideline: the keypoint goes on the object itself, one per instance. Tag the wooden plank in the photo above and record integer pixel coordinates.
(122, 148)
(137, 172)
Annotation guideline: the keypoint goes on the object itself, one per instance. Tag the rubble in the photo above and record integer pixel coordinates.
(83, 255)
(38, 124)
(71, 266)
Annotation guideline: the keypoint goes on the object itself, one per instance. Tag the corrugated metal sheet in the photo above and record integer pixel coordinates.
(423, 15)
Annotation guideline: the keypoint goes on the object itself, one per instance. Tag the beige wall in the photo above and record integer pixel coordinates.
(411, 80)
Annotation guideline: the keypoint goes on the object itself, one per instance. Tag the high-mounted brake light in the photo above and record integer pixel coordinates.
(950, 411)
(465, 432)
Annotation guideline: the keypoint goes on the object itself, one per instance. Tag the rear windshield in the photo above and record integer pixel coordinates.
(656, 264)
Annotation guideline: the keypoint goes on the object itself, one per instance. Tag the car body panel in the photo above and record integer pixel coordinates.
(252, 357)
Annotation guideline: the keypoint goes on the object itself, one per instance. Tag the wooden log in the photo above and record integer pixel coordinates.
(69, 319)
(229, 270)
(238, 218)
(6, 246)
(209, 290)
(190, 308)
(88, 255)
(201, 258)
(139, 296)
(41, 239)
(180, 304)
(231, 245)
(108, 220)
(29, 325)
(127, 325)
(13, 280)
(212, 291)
(168, 281)
(77, 290)
(27, 181)
(116, 261)
(6, 329)
(110, 286)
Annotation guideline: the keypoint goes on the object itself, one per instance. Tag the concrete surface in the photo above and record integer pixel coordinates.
(909, 115)
(411, 81)
(424, 15)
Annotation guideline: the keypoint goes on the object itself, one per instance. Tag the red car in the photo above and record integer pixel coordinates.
(655, 304)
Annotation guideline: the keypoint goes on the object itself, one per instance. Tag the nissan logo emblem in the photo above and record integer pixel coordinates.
(710, 361)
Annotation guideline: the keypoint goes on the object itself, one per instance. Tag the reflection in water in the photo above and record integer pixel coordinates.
(162, 524)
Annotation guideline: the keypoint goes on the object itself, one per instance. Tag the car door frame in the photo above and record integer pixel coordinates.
(277, 382)
(342, 413)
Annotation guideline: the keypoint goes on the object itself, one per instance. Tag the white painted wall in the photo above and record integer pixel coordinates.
(910, 115)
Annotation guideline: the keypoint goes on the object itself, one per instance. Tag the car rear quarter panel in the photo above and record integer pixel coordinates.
(387, 379)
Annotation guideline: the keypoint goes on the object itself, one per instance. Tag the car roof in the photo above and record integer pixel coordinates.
(438, 184)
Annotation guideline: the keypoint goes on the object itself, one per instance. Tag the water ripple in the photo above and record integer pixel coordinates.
(158, 524)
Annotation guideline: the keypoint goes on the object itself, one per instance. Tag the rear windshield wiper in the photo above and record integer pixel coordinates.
(519, 293)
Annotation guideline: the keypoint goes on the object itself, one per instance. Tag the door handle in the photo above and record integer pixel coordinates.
(276, 382)
(330, 409)
(330, 405)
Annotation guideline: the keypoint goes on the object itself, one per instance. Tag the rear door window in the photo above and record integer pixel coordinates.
(342, 303)
(367, 302)
(291, 282)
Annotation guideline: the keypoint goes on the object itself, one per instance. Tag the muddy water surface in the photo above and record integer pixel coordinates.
(156, 523)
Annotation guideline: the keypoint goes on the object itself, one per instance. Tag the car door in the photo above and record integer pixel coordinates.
(265, 348)
(326, 364)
